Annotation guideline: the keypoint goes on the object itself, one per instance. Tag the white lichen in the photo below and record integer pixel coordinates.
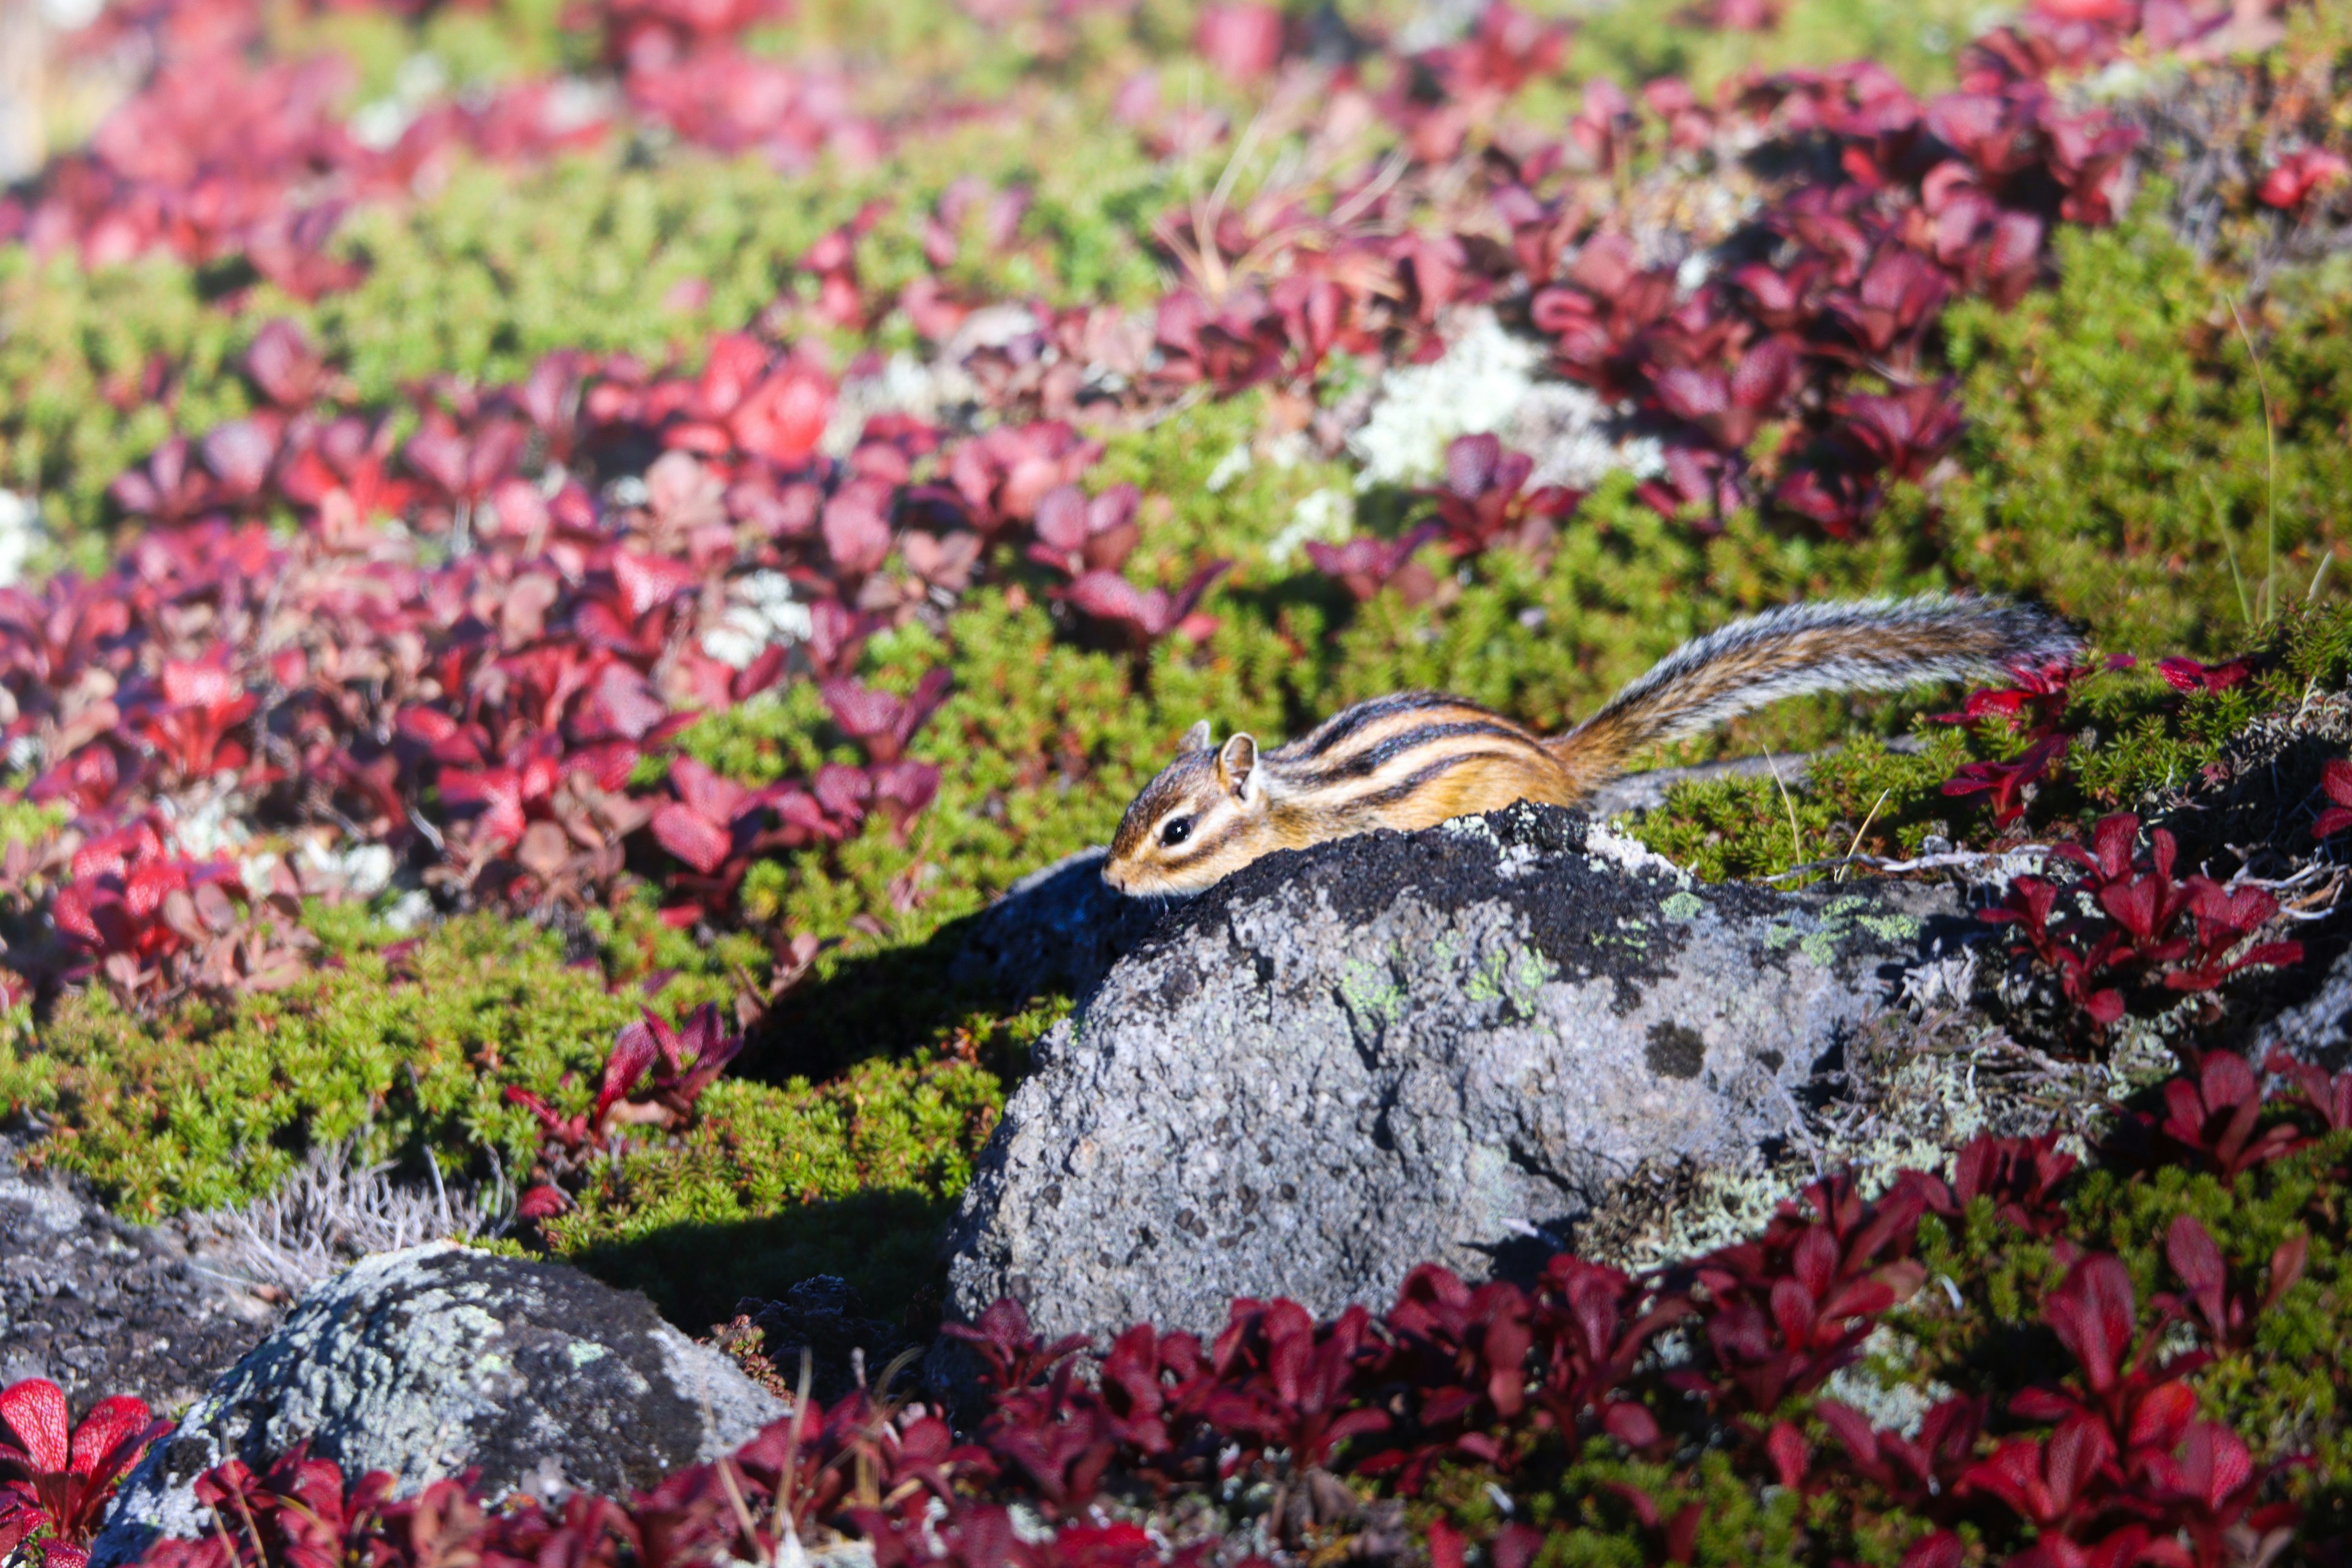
(1488, 383)
(1326, 515)
(1230, 467)
(20, 534)
(761, 612)
(1471, 389)
(1604, 842)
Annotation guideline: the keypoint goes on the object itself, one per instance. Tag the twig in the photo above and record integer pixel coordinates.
(2270, 444)
(1863, 829)
(1917, 863)
(1796, 834)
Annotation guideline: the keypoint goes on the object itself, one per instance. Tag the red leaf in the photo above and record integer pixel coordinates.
(1241, 41)
(109, 1423)
(35, 1411)
(856, 527)
(711, 794)
(1941, 1549)
(785, 417)
(2190, 1249)
(649, 581)
(691, 837)
(635, 1049)
(240, 453)
(2092, 1310)
(1786, 1446)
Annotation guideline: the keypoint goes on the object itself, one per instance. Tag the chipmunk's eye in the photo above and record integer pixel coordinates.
(1177, 830)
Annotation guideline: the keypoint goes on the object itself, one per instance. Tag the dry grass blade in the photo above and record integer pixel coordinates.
(332, 1211)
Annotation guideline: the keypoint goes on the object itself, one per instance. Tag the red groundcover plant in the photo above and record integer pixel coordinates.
(2183, 934)
(60, 1476)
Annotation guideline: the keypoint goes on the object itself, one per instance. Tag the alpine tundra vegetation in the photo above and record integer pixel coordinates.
(559, 557)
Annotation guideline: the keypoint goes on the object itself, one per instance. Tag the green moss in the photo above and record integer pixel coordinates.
(1919, 44)
(1862, 798)
(1589, 1520)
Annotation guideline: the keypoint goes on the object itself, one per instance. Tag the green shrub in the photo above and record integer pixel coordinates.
(854, 1177)
(206, 1105)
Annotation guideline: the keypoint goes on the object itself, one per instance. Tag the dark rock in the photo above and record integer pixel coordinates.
(433, 1361)
(99, 1306)
(1057, 928)
(823, 1317)
(1444, 1045)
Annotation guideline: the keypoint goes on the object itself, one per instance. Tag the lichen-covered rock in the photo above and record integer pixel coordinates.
(1444, 1045)
(436, 1360)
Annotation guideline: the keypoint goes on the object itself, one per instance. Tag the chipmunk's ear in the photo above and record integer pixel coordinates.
(1237, 769)
(1196, 738)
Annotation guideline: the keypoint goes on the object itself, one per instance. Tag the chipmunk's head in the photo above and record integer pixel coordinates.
(1203, 816)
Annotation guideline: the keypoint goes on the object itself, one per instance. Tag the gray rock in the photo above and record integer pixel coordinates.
(432, 1361)
(1444, 1045)
(2316, 1030)
(101, 1306)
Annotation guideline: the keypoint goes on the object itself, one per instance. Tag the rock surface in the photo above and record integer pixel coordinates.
(2318, 1029)
(1444, 1045)
(823, 1318)
(1059, 928)
(428, 1361)
(99, 1306)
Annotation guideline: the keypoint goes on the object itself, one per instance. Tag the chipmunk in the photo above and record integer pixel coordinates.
(1417, 758)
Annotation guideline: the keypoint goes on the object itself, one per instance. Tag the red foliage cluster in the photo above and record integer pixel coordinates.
(139, 905)
(2109, 1465)
(2294, 178)
(1927, 201)
(2078, 34)
(223, 151)
(1365, 565)
(481, 691)
(1277, 286)
(2336, 782)
(2036, 705)
(61, 1476)
(1485, 500)
(2150, 929)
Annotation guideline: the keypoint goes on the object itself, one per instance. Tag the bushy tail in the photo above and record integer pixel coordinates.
(1874, 645)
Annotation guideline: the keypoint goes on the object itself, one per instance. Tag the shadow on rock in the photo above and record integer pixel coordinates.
(885, 1247)
(1056, 931)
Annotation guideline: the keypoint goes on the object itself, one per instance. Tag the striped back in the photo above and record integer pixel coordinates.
(1380, 754)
